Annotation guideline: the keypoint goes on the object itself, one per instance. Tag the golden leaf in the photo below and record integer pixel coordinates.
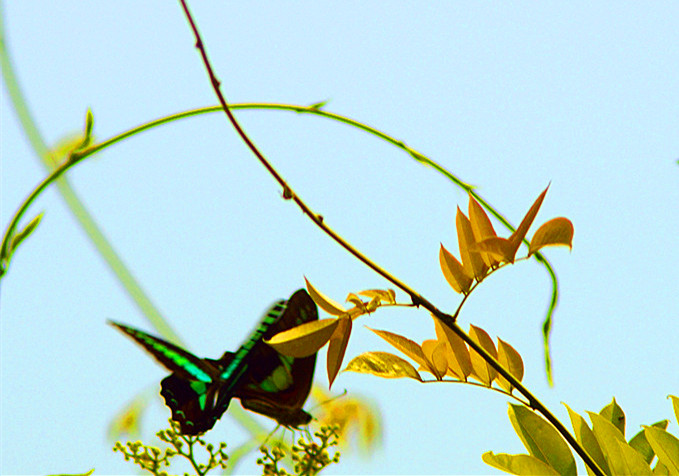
(410, 348)
(510, 359)
(354, 299)
(324, 302)
(454, 272)
(482, 228)
(459, 361)
(388, 296)
(472, 262)
(304, 340)
(480, 368)
(520, 233)
(337, 347)
(435, 353)
(501, 249)
(557, 231)
(383, 364)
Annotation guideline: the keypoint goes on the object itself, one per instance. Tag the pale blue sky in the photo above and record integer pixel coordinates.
(507, 96)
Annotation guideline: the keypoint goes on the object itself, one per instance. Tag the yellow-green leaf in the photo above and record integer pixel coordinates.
(666, 447)
(337, 347)
(510, 359)
(454, 272)
(90, 472)
(557, 231)
(383, 364)
(633, 461)
(482, 228)
(586, 438)
(675, 405)
(459, 360)
(472, 262)
(542, 440)
(518, 464)
(324, 302)
(481, 370)
(661, 470)
(520, 233)
(640, 443)
(613, 413)
(620, 456)
(21, 235)
(410, 348)
(304, 340)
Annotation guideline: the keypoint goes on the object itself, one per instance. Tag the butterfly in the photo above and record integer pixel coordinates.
(199, 390)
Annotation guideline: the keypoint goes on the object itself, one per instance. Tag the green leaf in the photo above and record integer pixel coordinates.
(640, 443)
(613, 413)
(517, 464)
(542, 440)
(23, 234)
(587, 440)
(666, 446)
(89, 125)
(621, 457)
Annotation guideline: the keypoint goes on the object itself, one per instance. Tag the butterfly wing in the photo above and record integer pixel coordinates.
(282, 395)
(199, 390)
(171, 356)
(276, 385)
(194, 390)
(195, 405)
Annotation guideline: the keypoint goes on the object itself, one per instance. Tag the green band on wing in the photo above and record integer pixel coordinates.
(180, 360)
(237, 364)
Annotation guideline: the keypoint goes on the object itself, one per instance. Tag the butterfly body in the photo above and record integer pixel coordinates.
(199, 390)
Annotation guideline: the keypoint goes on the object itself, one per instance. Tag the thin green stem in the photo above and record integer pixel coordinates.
(306, 109)
(313, 110)
(82, 215)
(416, 298)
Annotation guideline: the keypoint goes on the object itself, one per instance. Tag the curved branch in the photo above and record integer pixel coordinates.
(417, 299)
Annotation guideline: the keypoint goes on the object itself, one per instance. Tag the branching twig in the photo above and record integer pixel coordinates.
(416, 298)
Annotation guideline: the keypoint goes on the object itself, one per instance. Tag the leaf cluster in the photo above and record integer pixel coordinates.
(482, 251)
(653, 450)
(445, 356)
